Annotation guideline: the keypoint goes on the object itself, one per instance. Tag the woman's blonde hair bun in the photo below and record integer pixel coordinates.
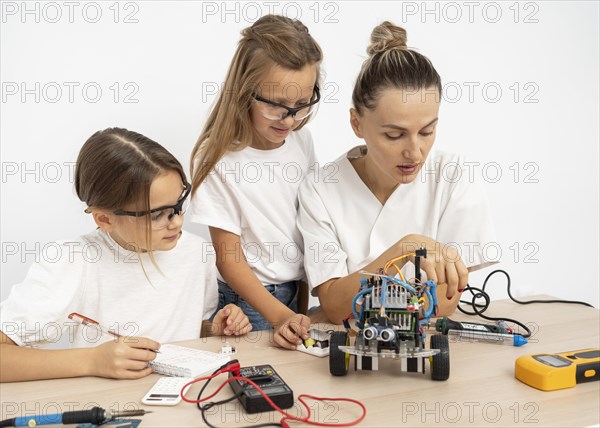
(387, 36)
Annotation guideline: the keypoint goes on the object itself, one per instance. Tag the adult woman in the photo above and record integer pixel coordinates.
(392, 196)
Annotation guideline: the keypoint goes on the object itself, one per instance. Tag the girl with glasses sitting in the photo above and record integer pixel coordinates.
(138, 274)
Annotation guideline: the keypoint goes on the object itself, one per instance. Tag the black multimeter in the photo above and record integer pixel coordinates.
(269, 381)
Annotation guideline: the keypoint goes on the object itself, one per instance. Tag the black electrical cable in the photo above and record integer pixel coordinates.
(479, 309)
(203, 408)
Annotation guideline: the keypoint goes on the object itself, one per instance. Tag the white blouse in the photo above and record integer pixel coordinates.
(345, 227)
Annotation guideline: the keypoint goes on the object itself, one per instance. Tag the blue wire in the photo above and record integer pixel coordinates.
(361, 293)
(421, 322)
(429, 291)
(429, 312)
(431, 298)
(402, 284)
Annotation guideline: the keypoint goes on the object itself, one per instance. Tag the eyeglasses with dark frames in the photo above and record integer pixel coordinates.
(277, 111)
(161, 216)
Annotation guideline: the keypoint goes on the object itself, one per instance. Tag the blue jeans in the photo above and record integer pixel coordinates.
(286, 293)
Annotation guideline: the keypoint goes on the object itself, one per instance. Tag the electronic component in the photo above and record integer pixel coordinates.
(317, 343)
(165, 392)
(391, 314)
(269, 381)
(227, 349)
(549, 372)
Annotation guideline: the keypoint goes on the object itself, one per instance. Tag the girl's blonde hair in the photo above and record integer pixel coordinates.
(116, 168)
(270, 41)
(391, 64)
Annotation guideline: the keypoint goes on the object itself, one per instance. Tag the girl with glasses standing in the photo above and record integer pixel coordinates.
(137, 275)
(247, 166)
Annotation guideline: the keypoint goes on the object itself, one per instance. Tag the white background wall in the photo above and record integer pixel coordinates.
(521, 98)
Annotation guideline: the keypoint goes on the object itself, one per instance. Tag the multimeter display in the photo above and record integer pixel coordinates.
(549, 372)
(552, 360)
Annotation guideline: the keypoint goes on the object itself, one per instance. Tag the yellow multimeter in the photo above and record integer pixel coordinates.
(549, 372)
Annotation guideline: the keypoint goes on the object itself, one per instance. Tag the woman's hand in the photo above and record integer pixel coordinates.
(231, 321)
(444, 266)
(123, 358)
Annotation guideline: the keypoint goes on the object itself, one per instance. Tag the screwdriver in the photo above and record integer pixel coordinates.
(95, 415)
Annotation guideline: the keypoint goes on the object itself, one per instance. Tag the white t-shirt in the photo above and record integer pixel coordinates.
(254, 194)
(97, 278)
(345, 227)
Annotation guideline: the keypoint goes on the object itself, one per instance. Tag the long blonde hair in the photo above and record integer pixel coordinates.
(270, 41)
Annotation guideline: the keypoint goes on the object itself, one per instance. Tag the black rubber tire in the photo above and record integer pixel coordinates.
(338, 362)
(440, 363)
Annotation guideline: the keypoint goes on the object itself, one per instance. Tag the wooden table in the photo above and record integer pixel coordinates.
(481, 391)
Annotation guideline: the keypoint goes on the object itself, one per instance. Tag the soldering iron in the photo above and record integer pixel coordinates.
(471, 331)
(95, 415)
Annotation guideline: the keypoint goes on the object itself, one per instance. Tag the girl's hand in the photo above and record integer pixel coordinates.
(292, 331)
(123, 358)
(231, 321)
